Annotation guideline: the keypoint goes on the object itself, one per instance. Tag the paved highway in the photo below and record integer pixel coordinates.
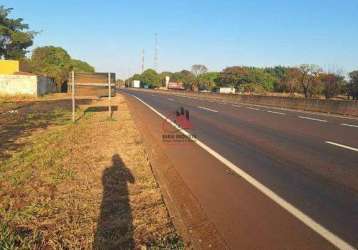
(310, 161)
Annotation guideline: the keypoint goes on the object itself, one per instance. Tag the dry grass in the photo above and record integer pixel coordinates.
(82, 186)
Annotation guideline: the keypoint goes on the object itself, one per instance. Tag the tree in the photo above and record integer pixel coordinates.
(290, 81)
(197, 70)
(332, 84)
(237, 75)
(279, 74)
(207, 81)
(15, 36)
(81, 66)
(53, 62)
(233, 77)
(309, 79)
(151, 78)
(184, 76)
(352, 87)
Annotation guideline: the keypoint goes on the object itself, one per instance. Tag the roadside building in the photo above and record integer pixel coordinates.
(15, 82)
(9, 67)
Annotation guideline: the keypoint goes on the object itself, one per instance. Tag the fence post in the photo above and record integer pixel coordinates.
(73, 96)
(109, 95)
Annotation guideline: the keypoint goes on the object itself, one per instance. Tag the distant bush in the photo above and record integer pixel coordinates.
(252, 88)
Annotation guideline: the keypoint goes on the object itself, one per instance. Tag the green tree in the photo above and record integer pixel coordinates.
(207, 81)
(151, 78)
(237, 75)
(232, 77)
(15, 36)
(81, 66)
(279, 74)
(53, 62)
(184, 76)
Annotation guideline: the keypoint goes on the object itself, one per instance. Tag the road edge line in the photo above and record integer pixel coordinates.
(308, 221)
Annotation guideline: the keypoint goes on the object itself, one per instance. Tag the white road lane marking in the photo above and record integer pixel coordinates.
(342, 146)
(275, 112)
(313, 119)
(253, 108)
(349, 125)
(237, 106)
(308, 221)
(211, 110)
(171, 99)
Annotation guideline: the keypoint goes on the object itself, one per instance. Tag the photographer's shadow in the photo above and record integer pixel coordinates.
(114, 226)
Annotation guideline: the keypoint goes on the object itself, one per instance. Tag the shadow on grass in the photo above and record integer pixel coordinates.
(114, 226)
(30, 116)
(100, 109)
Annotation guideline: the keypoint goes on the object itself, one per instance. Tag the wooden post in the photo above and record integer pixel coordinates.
(109, 95)
(73, 96)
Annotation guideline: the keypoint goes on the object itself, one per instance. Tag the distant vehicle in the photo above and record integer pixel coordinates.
(226, 90)
(205, 91)
(176, 86)
(136, 84)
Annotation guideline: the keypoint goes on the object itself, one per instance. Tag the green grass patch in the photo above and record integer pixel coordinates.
(28, 180)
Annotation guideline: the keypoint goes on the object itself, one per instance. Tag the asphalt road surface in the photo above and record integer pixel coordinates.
(308, 160)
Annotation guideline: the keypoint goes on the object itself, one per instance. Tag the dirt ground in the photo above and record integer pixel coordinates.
(87, 185)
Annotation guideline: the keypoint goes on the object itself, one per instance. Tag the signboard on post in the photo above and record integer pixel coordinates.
(92, 84)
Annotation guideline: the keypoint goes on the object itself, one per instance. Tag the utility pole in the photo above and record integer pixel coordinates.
(156, 50)
(142, 61)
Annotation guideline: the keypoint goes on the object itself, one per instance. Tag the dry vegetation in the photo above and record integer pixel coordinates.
(82, 186)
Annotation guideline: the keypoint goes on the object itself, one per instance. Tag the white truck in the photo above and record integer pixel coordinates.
(136, 84)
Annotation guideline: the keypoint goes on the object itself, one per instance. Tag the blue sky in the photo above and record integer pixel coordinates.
(110, 34)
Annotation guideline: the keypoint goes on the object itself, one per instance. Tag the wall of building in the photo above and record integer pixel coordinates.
(26, 85)
(9, 67)
(45, 85)
(18, 85)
